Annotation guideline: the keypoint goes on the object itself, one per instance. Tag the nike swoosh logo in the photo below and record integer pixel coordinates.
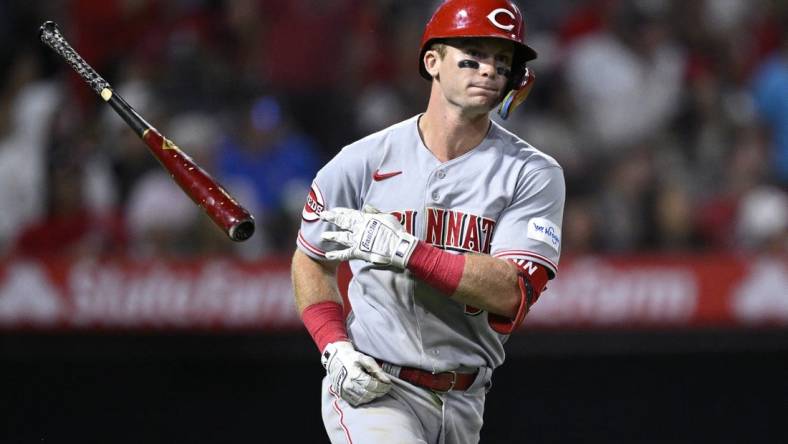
(378, 176)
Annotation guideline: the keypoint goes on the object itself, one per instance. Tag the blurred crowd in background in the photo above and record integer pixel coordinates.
(670, 117)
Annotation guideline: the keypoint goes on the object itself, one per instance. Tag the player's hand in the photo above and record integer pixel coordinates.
(370, 235)
(356, 377)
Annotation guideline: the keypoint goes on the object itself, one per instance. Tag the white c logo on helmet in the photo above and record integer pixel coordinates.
(494, 20)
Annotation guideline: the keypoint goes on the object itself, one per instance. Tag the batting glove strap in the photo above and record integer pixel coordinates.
(403, 247)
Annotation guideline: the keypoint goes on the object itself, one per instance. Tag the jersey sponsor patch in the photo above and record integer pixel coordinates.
(315, 204)
(542, 230)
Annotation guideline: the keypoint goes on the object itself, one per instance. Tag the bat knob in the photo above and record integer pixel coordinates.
(242, 231)
(48, 27)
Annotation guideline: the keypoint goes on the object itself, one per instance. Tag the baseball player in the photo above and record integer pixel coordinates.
(452, 228)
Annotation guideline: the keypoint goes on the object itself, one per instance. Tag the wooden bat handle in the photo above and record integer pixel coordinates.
(50, 35)
(223, 210)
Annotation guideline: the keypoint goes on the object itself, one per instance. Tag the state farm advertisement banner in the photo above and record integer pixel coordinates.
(214, 294)
(219, 294)
(645, 292)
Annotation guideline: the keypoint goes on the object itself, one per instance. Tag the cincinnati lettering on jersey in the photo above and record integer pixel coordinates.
(405, 218)
(451, 229)
(455, 230)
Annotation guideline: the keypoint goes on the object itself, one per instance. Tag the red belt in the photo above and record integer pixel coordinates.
(440, 382)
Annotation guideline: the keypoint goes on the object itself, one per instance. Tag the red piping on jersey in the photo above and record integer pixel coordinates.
(309, 246)
(526, 253)
(341, 415)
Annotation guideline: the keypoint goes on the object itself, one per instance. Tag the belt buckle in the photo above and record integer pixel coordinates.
(453, 381)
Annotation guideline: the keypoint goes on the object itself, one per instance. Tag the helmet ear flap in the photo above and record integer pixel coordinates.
(517, 94)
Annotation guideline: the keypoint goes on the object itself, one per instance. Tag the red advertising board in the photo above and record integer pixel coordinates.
(666, 291)
(224, 294)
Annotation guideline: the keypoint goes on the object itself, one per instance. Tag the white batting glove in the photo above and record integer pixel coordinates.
(371, 235)
(356, 377)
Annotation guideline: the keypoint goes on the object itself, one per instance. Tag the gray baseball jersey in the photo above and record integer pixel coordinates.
(504, 198)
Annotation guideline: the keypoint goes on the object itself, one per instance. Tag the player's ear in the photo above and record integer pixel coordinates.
(432, 60)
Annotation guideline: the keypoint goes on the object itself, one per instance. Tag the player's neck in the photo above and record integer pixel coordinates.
(448, 134)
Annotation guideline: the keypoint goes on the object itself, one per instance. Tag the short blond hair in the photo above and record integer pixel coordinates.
(440, 48)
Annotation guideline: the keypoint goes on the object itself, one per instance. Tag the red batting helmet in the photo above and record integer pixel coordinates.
(479, 18)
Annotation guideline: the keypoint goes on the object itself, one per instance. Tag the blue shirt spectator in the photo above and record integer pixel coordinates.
(770, 89)
(271, 157)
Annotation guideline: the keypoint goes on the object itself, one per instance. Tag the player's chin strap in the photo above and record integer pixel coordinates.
(517, 95)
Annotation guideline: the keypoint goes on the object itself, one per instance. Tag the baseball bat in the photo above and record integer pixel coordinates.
(223, 210)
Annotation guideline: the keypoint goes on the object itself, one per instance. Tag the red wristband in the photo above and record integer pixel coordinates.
(440, 269)
(325, 321)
